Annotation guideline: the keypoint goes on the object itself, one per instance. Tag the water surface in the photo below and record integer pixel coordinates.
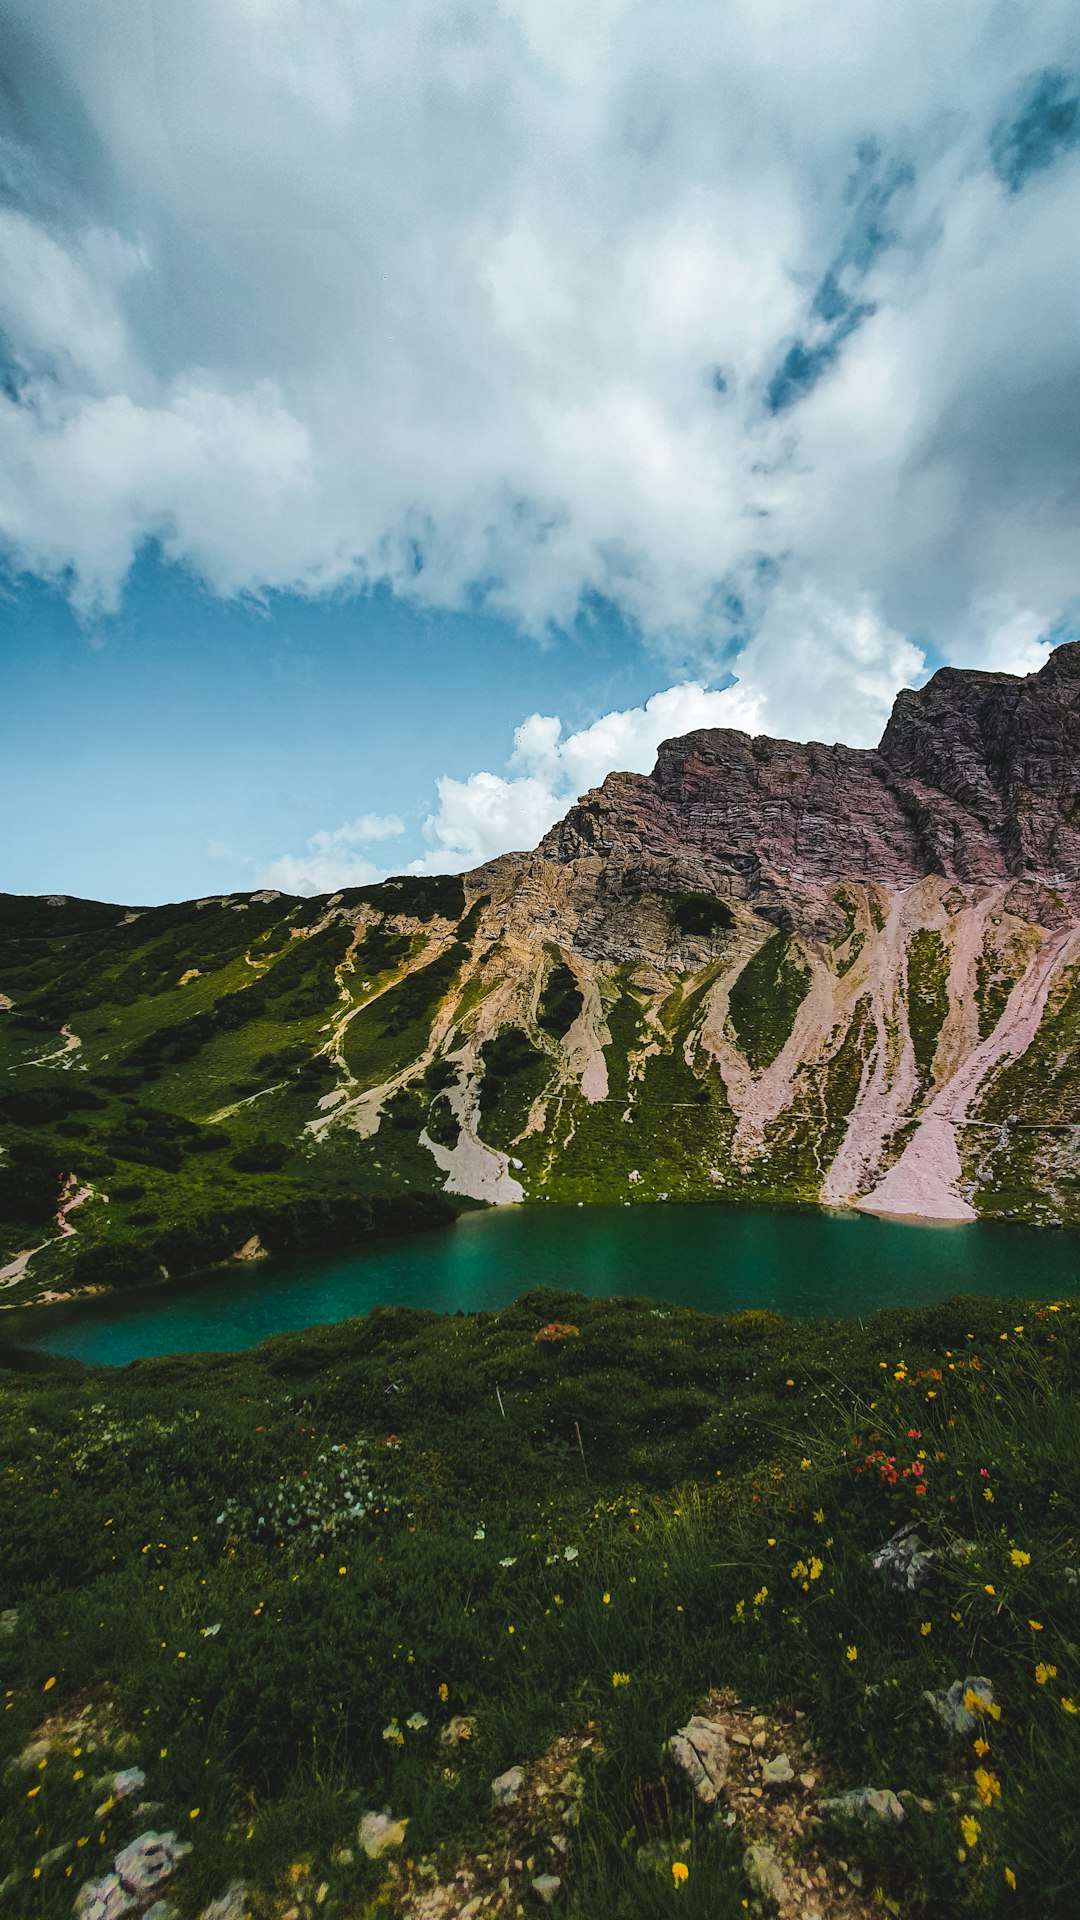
(713, 1258)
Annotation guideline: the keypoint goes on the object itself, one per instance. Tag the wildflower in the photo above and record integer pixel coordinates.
(620, 1679)
(416, 1721)
(194, 1814)
(990, 1588)
(819, 1516)
(925, 1627)
(607, 1599)
(1036, 1626)
(510, 1561)
(479, 1534)
(969, 1827)
(1070, 1706)
(852, 1653)
(761, 1596)
(981, 1746)
(444, 1691)
(51, 1682)
(988, 1495)
(1010, 1878)
(393, 1734)
(804, 1464)
(569, 1553)
(1019, 1558)
(679, 1872)
(341, 1569)
(1043, 1673)
(987, 1786)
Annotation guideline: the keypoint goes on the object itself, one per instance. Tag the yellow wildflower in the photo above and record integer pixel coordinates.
(1070, 1706)
(852, 1653)
(1043, 1673)
(1019, 1558)
(679, 1872)
(620, 1679)
(925, 1627)
(969, 1827)
(981, 1746)
(987, 1786)
(1010, 1878)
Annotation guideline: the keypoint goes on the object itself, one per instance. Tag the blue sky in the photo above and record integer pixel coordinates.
(409, 414)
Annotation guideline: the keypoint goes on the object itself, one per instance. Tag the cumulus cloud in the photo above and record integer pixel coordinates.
(726, 315)
(334, 857)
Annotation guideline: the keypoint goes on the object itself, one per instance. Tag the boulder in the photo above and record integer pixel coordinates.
(866, 1804)
(765, 1874)
(950, 1707)
(701, 1749)
(104, 1899)
(505, 1789)
(148, 1862)
(905, 1561)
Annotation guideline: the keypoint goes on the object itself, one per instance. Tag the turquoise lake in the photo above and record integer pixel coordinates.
(715, 1259)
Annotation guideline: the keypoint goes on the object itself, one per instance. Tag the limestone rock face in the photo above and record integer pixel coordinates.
(976, 779)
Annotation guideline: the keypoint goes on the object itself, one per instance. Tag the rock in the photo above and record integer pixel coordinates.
(866, 1804)
(104, 1899)
(547, 1886)
(904, 1560)
(949, 1706)
(161, 1910)
(701, 1750)
(765, 1874)
(230, 1905)
(808, 1780)
(759, 1742)
(777, 1772)
(130, 1780)
(150, 1860)
(506, 1788)
(377, 1832)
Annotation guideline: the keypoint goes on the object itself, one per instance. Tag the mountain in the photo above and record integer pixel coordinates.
(765, 972)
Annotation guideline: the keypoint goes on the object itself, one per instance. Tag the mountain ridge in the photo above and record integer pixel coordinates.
(768, 972)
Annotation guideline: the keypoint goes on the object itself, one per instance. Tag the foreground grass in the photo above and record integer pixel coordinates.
(269, 1580)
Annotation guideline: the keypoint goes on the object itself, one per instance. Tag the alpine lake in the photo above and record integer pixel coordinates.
(714, 1259)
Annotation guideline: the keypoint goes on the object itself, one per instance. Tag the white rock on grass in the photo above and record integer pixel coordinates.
(505, 1789)
(701, 1750)
(765, 1874)
(148, 1862)
(103, 1900)
(230, 1905)
(866, 1804)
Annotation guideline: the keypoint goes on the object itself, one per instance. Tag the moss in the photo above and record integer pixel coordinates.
(927, 996)
(766, 997)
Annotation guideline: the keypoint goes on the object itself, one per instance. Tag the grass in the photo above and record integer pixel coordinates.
(459, 1552)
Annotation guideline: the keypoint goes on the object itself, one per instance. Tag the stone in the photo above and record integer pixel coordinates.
(765, 1874)
(905, 1561)
(130, 1780)
(866, 1804)
(377, 1832)
(149, 1860)
(808, 1780)
(949, 1705)
(701, 1750)
(230, 1905)
(161, 1910)
(777, 1772)
(104, 1899)
(547, 1886)
(507, 1786)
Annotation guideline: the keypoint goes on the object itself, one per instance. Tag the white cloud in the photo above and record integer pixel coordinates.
(350, 294)
(334, 857)
(814, 671)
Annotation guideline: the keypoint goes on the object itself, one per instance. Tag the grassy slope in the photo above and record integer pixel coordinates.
(734, 1491)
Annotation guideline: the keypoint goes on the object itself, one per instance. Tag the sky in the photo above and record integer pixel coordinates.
(411, 411)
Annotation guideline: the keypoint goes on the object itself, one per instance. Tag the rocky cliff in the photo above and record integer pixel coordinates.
(765, 972)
